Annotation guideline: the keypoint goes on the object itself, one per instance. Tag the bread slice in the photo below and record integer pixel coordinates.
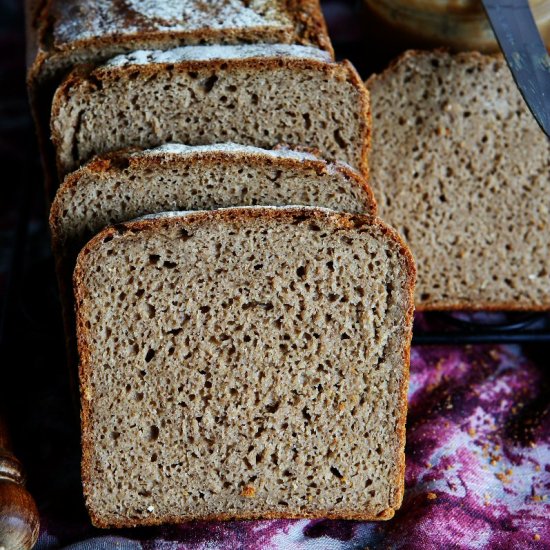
(64, 33)
(466, 180)
(253, 94)
(119, 186)
(244, 363)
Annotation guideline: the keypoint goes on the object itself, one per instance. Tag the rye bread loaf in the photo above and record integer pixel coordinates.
(244, 363)
(257, 95)
(64, 33)
(461, 169)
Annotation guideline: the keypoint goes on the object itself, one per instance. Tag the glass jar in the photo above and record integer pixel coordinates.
(457, 24)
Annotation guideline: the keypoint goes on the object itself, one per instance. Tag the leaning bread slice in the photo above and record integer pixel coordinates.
(244, 363)
(257, 95)
(119, 186)
(466, 180)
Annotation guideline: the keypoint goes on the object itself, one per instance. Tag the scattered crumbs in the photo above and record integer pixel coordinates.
(503, 477)
(538, 498)
(447, 424)
(431, 496)
(248, 491)
(508, 472)
(494, 354)
(494, 461)
(532, 444)
(487, 498)
(428, 464)
(536, 537)
(537, 468)
(150, 508)
(471, 431)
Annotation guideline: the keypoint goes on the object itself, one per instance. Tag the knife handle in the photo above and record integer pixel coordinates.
(19, 520)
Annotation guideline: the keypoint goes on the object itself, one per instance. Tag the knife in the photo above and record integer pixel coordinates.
(525, 53)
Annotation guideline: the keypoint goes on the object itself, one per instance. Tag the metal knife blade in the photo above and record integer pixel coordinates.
(525, 53)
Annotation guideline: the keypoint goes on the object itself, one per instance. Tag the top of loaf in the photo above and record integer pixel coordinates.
(84, 20)
(181, 149)
(205, 53)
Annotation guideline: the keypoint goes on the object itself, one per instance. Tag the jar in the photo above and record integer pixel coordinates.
(456, 24)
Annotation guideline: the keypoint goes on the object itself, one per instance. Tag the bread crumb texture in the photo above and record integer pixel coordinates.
(244, 363)
(461, 169)
(261, 101)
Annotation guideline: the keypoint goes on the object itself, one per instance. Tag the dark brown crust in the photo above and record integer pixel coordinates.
(309, 29)
(283, 215)
(92, 77)
(455, 305)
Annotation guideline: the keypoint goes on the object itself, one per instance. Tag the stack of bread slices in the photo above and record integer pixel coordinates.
(243, 318)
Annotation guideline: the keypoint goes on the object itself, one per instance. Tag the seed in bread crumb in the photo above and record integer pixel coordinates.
(431, 496)
(248, 491)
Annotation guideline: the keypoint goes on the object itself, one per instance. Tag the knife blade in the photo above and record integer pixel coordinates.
(525, 53)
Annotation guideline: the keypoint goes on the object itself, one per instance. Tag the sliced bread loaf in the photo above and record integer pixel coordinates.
(247, 363)
(64, 33)
(252, 94)
(460, 167)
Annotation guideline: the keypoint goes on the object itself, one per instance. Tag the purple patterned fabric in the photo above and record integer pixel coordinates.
(477, 476)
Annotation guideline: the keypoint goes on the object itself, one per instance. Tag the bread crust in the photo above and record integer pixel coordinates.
(284, 215)
(455, 305)
(43, 48)
(89, 77)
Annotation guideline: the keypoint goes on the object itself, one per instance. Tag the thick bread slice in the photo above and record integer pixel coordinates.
(119, 186)
(64, 33)
(460, 167)
(256, 95)
(244, 363)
